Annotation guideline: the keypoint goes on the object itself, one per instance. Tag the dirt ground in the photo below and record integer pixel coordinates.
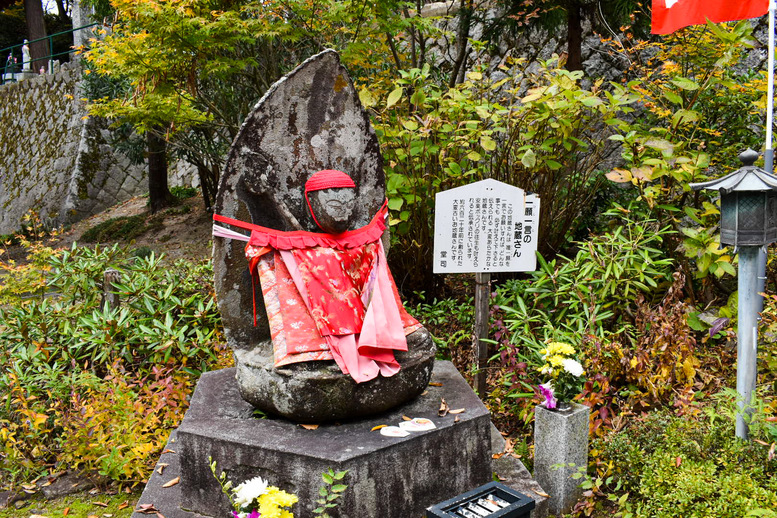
(182, 231)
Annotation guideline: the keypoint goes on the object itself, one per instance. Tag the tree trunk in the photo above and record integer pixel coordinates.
(574, 37)
(36, 28)
(159, 195)
(462, 43)
(61, 10)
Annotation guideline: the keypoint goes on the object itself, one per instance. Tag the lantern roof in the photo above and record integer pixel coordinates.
(746, 178)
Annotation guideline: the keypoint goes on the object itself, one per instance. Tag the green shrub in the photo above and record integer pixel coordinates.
(67, 360)
(592, 293)
(183, 193)
(691, 466)
(551, 140)
(449, 321)
(118, 425)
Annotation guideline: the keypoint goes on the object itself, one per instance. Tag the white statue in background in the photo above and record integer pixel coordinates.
(26, 60)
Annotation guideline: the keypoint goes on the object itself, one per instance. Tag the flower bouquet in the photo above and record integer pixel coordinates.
(255, 498)
(566, 375)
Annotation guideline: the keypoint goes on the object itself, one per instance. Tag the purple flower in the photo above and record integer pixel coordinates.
(546, 390)
(254, 514)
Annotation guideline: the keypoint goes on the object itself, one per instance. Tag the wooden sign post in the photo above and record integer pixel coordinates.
(485, 227)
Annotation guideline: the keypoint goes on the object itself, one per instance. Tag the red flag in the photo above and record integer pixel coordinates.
(670, 15)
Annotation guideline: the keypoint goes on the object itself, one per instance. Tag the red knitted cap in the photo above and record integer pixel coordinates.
(328, 179)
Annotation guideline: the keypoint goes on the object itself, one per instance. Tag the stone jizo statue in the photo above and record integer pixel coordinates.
(309, 306)
(26, 59)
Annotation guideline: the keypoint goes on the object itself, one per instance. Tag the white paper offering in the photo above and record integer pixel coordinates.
(393, 431)
(419, 424)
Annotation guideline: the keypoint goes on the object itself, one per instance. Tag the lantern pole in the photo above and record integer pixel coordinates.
(747, 334)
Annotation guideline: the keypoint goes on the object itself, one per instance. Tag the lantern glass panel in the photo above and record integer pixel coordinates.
(751, 211)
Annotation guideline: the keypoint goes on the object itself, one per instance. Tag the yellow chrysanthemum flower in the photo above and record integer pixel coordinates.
(556, 360)
(560, 348)
(271, 504)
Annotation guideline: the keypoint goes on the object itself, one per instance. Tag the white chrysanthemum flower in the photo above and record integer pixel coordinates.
(249, 490)
(573, 367)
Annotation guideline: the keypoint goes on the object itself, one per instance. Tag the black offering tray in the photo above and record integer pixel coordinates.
(493, 500)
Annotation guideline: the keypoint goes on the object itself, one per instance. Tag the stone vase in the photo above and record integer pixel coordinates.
(560, 451)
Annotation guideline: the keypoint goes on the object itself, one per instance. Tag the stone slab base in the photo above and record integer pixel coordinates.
(388, 477)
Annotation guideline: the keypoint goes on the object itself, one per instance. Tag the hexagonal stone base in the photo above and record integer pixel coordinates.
(387, 476)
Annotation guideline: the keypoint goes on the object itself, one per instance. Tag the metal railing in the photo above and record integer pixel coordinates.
(14, 69)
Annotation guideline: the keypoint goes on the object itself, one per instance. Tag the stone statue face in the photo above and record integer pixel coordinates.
(333, 208)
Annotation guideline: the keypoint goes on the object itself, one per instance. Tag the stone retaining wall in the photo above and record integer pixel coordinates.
(57, 160)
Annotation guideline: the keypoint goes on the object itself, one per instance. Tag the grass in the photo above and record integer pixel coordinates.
(80, 505)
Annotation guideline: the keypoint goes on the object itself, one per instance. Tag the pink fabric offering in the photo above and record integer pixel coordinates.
(329, 296)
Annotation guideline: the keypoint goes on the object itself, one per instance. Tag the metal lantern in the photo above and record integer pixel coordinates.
(748, 204)
(748, 220)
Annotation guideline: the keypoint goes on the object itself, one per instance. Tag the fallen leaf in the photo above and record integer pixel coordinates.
(772, 419)
(128, 490)
(92, 516)
(444, 408)
(147, 509)
(497, 455)
(168, 451)
(160, 515)
(405, 418)
(456, 419)
(172, 482)
(123, 506)
(46, 484)
(309, 426)
(425, 392)
(378, 427)
(678, 461)
(108, 515)
(771, 451)
(101, 504)
(91, 492)
(509, 446)
(501, 478)
(457, 411)
(761, 442)
(435, 384)
(541, 493)
(38, 516)
(161, 467)
(67, 510)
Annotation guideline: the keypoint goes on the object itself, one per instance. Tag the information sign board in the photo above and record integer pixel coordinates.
(487, 226)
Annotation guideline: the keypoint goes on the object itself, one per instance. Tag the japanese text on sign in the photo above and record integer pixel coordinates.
(486, 226)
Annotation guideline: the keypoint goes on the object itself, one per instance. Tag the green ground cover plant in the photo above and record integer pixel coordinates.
(693, 466)
(95, 388)
(120, 505)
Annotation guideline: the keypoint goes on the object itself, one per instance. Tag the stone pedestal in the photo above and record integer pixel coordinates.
(388, 477)
(560, 438)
